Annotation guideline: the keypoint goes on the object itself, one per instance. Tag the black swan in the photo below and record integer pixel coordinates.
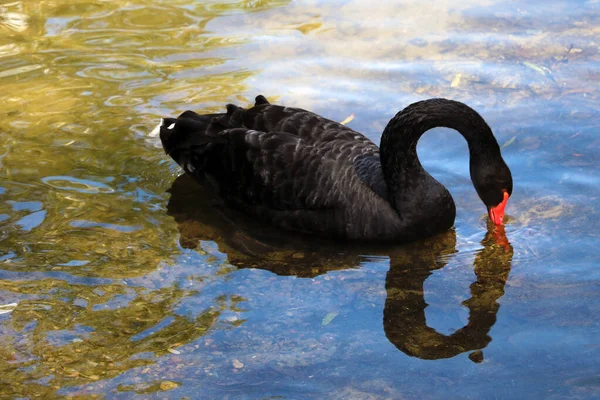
(300, 171)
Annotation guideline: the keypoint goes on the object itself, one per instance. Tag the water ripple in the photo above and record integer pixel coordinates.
(92, 224)
(76, 184)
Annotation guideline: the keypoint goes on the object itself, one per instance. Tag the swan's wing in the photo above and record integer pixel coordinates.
(282, 145)
(276, 170)
(314, 130)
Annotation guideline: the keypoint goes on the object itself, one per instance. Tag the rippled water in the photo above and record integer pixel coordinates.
(118, 278)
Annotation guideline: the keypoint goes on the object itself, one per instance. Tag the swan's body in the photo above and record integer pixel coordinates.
(300, 171)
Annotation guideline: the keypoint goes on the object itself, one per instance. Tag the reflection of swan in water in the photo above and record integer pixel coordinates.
(404, 312)
(200, 215)
(247, 243)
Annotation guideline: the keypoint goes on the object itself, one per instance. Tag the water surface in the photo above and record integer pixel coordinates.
(119, 278)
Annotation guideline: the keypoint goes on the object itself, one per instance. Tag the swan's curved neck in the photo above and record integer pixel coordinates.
(400, 137)
(409, 185)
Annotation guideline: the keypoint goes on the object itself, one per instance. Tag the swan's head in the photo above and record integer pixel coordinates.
(493, 181)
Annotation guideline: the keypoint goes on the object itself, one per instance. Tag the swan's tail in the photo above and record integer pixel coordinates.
(194, 130)
(197, 141)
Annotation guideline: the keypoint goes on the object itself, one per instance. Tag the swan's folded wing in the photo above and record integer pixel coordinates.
(276, 170)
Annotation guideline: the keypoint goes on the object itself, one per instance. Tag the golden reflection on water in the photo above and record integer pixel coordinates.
(78, 80)
(98, 67)
(99, 342)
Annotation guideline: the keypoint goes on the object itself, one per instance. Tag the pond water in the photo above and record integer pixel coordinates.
(119, 279)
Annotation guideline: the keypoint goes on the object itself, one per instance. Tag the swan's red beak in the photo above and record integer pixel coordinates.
(497, 213)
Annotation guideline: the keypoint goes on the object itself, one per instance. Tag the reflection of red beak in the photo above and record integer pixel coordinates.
(497, 213)
(500, 238)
